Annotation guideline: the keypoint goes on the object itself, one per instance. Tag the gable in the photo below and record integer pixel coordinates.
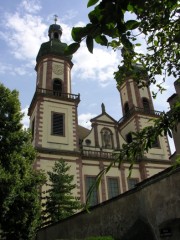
(104, 117)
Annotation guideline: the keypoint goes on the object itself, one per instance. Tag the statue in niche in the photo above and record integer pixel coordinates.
(107, 139)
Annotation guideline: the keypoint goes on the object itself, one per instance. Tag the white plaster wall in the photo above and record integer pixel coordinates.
(44, 74)
(56, 63)
(130, 127)
(47, 165)
(57, 142)
(144, 92)
(133, 93)
(124, 95)
(156, 153)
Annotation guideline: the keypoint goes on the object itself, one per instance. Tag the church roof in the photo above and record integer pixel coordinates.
(55, 27)
(82, 132)
(54, 47)
(103, 117)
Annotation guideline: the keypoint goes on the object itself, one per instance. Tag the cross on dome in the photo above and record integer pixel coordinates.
(55, 18)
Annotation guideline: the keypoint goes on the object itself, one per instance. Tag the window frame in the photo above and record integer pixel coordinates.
(94, 191)
(110, 195)
(156, 144)
(33, 128)
(52, 124)
(126, 108)
(146, 104)
(129, 137)
(128, 182)
(58, 91)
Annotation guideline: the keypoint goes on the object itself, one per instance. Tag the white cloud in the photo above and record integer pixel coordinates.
(25, 31)
(70, 15)
(98, 66)
(25, 120)
(31, 6)
(4, 68)
(25, 34)
(84, 119)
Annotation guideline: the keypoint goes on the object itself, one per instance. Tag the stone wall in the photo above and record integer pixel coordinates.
(148, 212)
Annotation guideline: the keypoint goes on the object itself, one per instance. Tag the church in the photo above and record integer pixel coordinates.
(56, 134)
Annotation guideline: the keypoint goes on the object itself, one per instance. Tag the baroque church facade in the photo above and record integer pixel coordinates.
(56, 134)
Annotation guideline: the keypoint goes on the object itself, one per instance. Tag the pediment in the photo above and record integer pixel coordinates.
(104, 117)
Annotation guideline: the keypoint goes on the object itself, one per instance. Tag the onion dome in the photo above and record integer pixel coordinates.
(54, 46)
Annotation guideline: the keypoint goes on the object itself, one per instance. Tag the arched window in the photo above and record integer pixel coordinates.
(55, 35)
(146, 105)
(126, 108)
(106, 135)
(57, 87)
(129, 138)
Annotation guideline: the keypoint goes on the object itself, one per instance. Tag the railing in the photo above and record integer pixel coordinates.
(139, 110)
(97, 154)
(57, 94)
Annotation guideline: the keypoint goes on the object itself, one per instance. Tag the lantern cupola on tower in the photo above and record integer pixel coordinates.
(55, 30)
(54, 46)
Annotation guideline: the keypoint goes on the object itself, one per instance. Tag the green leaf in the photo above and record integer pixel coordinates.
(132, 24)
(89, 43)
(72, 48)
(130, 8)
(76, 33)
(101, 39)
(155, 43)
(92, 2)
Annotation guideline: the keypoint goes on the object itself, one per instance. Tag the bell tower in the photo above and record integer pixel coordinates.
(53, 110)
(138, 110)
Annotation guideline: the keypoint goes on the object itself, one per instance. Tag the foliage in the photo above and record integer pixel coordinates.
(121, 25)
(59, 201)
(19, 183)
(142, 142)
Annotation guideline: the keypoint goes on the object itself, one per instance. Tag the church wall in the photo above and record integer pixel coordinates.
(44, 73)
(130, 126)
(133, 93)
(47, 161)
(91, 138)
(163, 151)
(33, 118)
(114, 173)
(153, 169)
(57, 142)
(57, 69)
(144, 92)
(111, 128)
(102, 142)
(90, 169)
(124, 94)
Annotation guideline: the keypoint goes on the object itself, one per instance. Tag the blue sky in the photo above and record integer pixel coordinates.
(24, 26)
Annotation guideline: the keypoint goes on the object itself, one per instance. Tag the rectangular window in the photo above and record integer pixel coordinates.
(33, 128)
(156, 143)
(132, 182)
(113, 187)
(58, 124)
(94, 195)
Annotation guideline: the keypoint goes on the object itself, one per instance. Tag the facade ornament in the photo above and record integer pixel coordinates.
(103, 108)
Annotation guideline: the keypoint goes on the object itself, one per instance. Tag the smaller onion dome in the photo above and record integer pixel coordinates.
(55, 32)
